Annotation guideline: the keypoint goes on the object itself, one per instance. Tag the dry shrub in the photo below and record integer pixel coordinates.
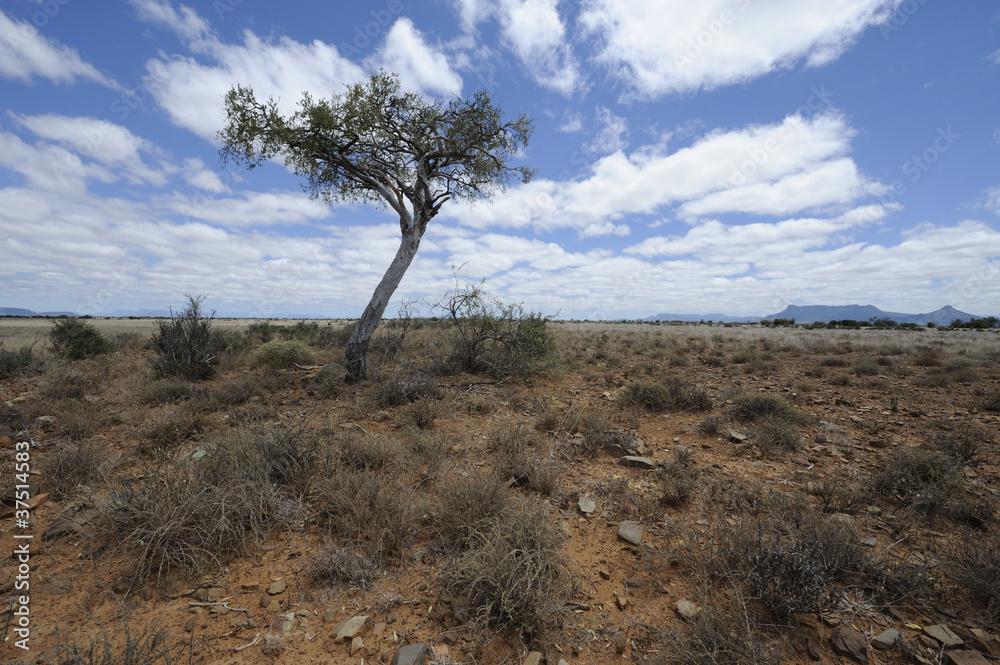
(918, 477)
(185, 345)
(377, 510)
(171, 432)
(723, 633)
(170, 390)
(333, 565)
(774, 435)
(466, 503)
(513, 574)
(356, 451)
(19, 362)
(670, 393)
(420, 414)
(73, 465)
(678, 478)
(278, 354)
(753, 406)
(975, 564)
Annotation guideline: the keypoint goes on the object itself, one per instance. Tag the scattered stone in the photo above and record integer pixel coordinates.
(269, 604)
(634, 582)
(191, 623)
(357, 644)
(815, 653)
(622, 602)
(562, 662)
(686, 609)
(329, 614)
(411, 654)
(848, 642)
(631, 531)
(945, 635)
(869, 542)
(983, 641)
(208, 594)
(587, 505)
(969, 472)
(886, 639)
(964, 657)
(378, 628)
(11, 417)
(831, 621)
(636, 462)
(605, 575)
(534, 658)
(46, 420)
(843, 520)
(68, 521)
(250, 586)
(929, 642)
(353, 627)
(277, 586)
(738, 437)
(241, 622)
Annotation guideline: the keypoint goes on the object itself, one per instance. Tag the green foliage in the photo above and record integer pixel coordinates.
(277, 354)
(493, 338)
(75, 339)
(20, 362)
(749, 407)
(186, 346)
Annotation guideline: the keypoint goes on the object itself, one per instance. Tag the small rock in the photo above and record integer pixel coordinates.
(208, 594)
(357, 644)
(631, 531)
(929, 642)
(562, 662)
(378, 628)
(869, 542)
(331, 372)
(945, 635)
(587, 505)
(815, 653)
(277, 586)
(964, 657)
(844, 520)
(605, 575)
(353, 627)
(686, 609)
(191, 623)
(533, 658)
(622, 602)
(329, 614)
(634, 582)
(739, 437)
(250, 586)
(241, 622)
(46, 420)
(411, 654)
(848, 642)
(636, 462)
(886, 639)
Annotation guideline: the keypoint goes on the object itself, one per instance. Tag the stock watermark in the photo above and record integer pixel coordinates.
(365, 35)
(48, 10)
(901, 17)
(709, 32)
(21, 555)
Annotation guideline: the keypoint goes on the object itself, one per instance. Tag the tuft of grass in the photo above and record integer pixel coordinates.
(376, 510)
(170, 390)
(333, 565)
(919, 477)
(774, 434)
(19, 362)
(72, 465)
(866, 367)
(420, 414)
(466, 504)
(975, 564)
(679, 478)
(281, 354)
(513, 574)
(671, 393)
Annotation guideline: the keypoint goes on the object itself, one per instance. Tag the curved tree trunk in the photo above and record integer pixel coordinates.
(356, 355)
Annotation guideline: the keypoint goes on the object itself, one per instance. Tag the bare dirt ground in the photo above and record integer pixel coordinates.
(877, 512)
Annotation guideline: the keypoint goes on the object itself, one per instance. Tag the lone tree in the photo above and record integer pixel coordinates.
(379, 143)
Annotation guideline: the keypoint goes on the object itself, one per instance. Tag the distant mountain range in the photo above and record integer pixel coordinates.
(824, 313)
(17, 311)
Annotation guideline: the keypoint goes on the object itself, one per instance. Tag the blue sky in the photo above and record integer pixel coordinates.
(728, 156)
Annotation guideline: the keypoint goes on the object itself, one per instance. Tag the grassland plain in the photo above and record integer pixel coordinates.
(785, 487)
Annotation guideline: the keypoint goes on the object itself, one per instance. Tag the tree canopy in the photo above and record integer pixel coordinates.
(379, 143)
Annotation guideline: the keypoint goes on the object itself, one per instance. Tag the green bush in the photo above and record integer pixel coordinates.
(22, 362)
(186, 346)
(493, 338)
(282, 354)
(749, 407)
(75, 339)
(670, 393)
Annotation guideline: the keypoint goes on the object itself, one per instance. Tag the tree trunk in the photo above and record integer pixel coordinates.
(356, 355)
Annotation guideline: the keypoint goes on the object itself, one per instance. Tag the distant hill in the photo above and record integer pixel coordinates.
(16, 311)
(824, 313)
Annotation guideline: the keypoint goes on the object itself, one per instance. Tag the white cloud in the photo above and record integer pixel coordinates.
(251, 209)
(534, 31)
(105, 142)
(198, 175)
(671, 46)
(184, 22)
(50, 167)
(420, 67)
(746, 170)
(991, 199)
(611, 135)
(571, 123)
(25, 53)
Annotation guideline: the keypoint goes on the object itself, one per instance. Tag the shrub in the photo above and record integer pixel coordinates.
(374, 509)
(773, 434)
(20, 362)
(172, 432)
(122, 645)
(492, 338)
(749, 407)
(186, 346)
(976, 566)
(420, 414)
(917, 477)
(968, 445)
(401, 387)
(333, 565)
(277, 354)
(727, 635)
(72, 465)
(466, 504)
(513, 574)
(678, 478)
(671, 393)
(75, 339)
(866, 367)
(170, 390)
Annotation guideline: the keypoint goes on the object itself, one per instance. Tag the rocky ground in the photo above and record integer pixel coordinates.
(652, 493)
